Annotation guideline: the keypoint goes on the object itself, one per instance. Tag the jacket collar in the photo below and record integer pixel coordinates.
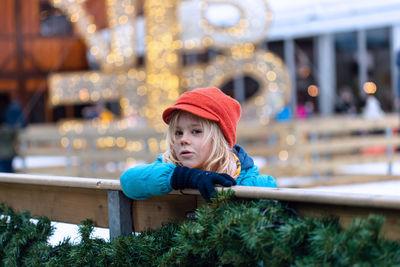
(245, 160)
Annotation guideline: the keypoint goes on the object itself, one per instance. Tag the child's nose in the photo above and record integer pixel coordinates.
(185, 139)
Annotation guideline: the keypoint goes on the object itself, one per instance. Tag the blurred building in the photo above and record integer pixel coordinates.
(338, 45)
(36, 40)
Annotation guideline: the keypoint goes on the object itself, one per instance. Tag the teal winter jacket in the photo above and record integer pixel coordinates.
(154, 179)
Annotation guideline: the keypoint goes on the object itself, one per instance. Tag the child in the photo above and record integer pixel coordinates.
(201, 150)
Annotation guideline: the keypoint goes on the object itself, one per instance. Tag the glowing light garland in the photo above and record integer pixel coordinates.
(118, 54)
(265, 67)
(160, 81)
(200, 31)
(162, 60)
(144, 93)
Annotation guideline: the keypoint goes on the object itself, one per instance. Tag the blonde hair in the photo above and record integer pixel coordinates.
(221, 158)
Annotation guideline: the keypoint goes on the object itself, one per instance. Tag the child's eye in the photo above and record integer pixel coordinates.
(196, 131)
(178, 133)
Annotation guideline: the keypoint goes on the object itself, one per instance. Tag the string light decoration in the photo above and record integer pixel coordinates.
(265, 67)
(162, 60)
(90, 87)
(160, 82)
(121, 21)
(113, 49)
(249, 23)
(134, 101)
(172, 27)
(78, 87)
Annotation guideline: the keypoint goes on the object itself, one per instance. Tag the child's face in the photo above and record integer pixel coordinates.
(189, 145)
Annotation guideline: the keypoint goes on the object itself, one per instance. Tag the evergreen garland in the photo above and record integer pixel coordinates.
(228, 232)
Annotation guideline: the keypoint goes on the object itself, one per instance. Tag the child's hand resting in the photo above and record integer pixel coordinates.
(204, 181)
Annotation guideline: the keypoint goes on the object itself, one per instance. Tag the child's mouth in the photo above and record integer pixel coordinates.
(186, 153)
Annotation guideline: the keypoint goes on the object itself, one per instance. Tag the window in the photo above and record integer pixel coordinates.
(306, 76)
(378, 66)
(52, 21)
(347, 72)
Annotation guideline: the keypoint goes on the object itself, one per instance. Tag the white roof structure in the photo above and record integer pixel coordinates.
(302, 18)
(290, 19)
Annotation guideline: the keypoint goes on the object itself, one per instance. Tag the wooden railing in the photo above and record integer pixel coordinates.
(319, 147)
(89, 150)
(73, 199)
(324, 145)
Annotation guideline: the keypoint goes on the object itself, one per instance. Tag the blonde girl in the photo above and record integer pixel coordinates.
(201, 150)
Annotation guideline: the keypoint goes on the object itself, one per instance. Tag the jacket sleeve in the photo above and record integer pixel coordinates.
(147, 180)
(252, 177)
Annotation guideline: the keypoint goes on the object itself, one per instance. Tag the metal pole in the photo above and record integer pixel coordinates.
(326, 73)
(362, 60)
(289, 54)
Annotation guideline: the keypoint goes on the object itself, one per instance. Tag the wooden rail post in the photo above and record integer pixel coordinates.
(119, 214)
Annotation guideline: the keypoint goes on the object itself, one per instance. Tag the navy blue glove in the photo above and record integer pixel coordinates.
(204, 181)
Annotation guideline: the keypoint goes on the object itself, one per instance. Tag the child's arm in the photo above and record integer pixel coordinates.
(252, 177)
(147, 180)
(160, 178)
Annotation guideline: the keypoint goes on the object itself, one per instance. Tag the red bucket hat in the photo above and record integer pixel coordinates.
(210, 103)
